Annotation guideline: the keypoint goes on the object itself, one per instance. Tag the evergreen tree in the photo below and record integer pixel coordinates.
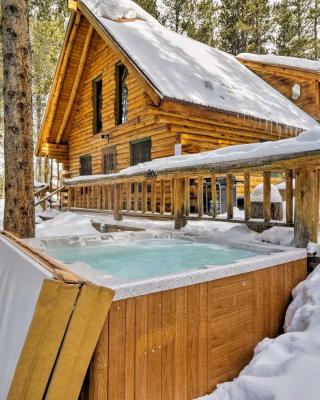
(150, 6)
(256, 25)
(178, 15)
(232, 37)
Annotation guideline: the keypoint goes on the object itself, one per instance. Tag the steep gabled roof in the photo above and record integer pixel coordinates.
(172, 67)
(283, 61)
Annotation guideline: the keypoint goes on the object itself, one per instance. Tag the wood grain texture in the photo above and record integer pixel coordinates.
(179, 344)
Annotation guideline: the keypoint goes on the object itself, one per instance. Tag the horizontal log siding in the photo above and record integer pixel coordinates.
(282, 79)
(179, 344)
(102, 60)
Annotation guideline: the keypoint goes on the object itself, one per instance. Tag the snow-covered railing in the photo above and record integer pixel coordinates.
(174, 186)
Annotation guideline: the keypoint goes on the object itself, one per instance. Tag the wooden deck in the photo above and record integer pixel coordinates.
(178, 344)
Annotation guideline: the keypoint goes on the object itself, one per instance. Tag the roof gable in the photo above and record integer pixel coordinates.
(186, 70)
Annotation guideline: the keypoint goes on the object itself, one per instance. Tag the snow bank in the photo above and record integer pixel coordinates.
(280, 235)
(285, 368)
(307, 141)
(65, 224)
(257, 194)
(186, 70)
(291, 62)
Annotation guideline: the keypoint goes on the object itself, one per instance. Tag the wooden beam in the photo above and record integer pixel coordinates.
(267, 196)
(229, 196)
(72, 5)
(187, 195)
(153, 197)
(306, 206)
(214, 195)
(289, 196)
(247, 203)
(200, 196)
(144, 197)
(75, 83)
(180, 219)
(162, 197)
(117, 198)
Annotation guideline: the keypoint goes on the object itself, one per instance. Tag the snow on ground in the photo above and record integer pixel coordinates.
(280, 235)
(307, 141)
(67, 223)
(199, 74)
(292, 62)
(285, 368)
(257, 194)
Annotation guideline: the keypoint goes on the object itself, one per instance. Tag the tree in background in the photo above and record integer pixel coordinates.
(232, 36)
(47, 19)
(18, 141)
(150, 6)
(256, 25)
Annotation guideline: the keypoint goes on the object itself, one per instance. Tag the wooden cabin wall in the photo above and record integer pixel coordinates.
(283, 79)
(195, 128)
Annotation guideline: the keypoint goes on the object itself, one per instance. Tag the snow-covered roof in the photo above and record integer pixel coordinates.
(186, 70)
(257, 153)
(290, 62)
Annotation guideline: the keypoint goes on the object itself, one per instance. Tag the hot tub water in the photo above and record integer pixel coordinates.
(150, 258)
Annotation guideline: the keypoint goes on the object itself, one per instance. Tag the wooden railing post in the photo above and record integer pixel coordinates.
(128, 196)
(162, 197)
(289, 196)
(229, 196)
(116, 202)
(267, 196)
(70, 198)
(136, 194)
(153, 197)
(144, 197)
(172, 195)
(187, 196)
(214, 195)
(200, 197)
(247, 203)
(306, 207)
(180, 219)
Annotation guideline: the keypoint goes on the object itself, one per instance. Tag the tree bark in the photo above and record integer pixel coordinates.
(38, 116)
(18, 144)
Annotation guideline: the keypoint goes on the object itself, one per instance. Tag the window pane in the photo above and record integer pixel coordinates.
(109, 160)
(97, 105)
(141, 152)
(121, 102)
(85, 165)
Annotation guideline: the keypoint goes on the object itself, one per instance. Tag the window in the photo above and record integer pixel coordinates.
(121, 100)
(140, 151)
(295, 91)
(109, 160)
(86, 165)
(97, 105)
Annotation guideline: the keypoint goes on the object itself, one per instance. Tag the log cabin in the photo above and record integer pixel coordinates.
(296, 78)
(127, 90)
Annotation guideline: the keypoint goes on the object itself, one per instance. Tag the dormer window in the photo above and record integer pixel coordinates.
(121, 100)
(97, 105)
(295, 91)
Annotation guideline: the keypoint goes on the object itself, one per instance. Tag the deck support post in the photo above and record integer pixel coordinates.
(289, 196)
(70, 197)
(306, 206)
(229, 196)
(267, 196)
(117, 202)
(247, 203)
(214, 195)
(180, 219)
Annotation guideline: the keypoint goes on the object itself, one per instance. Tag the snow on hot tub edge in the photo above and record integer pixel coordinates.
(285, 368)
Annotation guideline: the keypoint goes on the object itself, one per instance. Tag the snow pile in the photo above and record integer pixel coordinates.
(65, 224)
(308, 141)
(285, 368)
(282, 236)
(186, 70)
(118, 9)
(38, 184)
(282, 185)
(291, 62)
(257, 194)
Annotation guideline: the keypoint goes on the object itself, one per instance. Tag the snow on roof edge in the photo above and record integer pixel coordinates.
(259, 153)
(303, 64)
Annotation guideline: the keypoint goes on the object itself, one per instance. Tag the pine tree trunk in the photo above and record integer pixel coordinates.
(18, 143)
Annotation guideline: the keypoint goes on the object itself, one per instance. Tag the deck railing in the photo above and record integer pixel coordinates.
(180, 196)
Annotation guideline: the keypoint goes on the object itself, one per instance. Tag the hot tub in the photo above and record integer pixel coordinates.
(188, 310)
